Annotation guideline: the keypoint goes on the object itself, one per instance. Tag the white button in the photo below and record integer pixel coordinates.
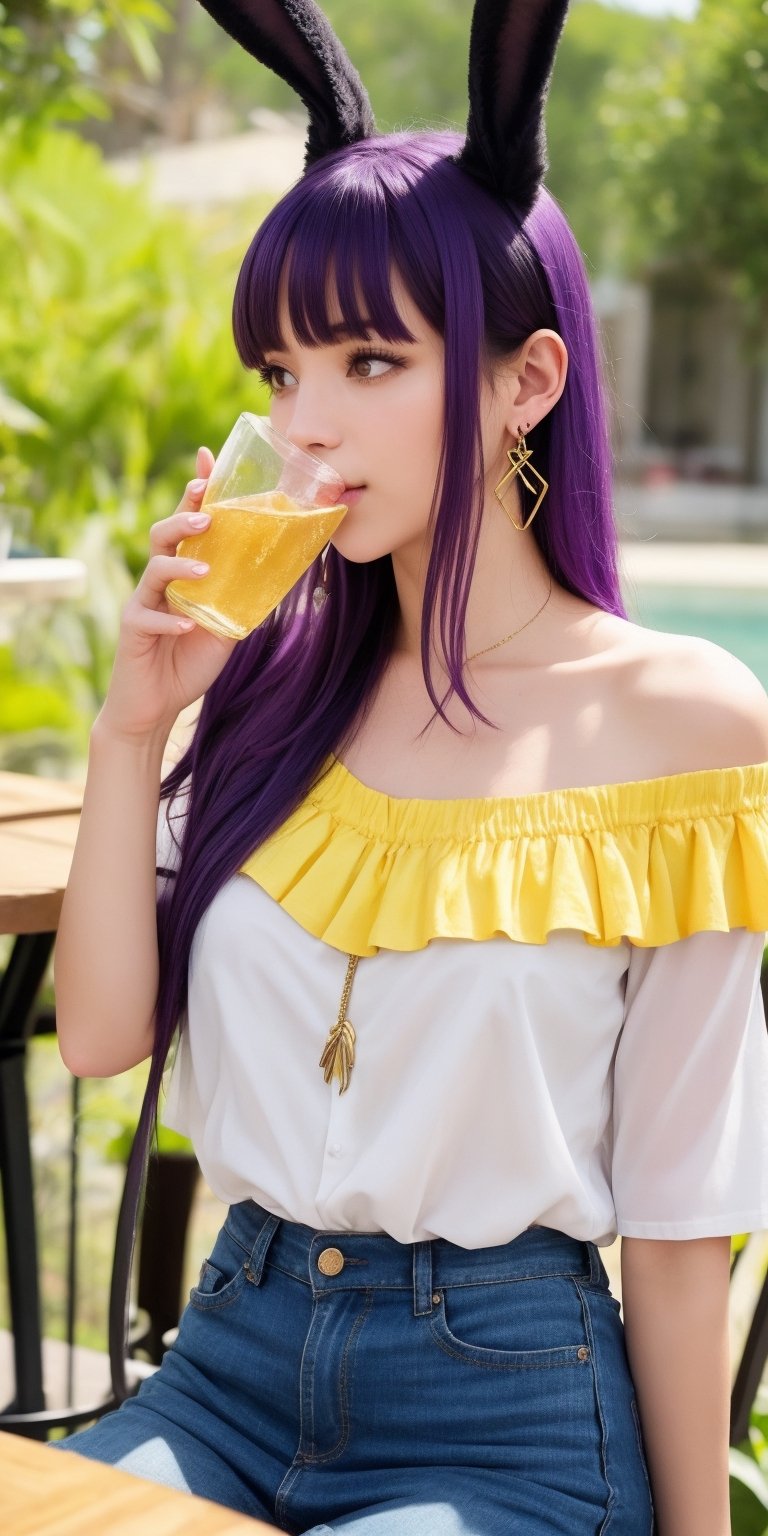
(335, 1149)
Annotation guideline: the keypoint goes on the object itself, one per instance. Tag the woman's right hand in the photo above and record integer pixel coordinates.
(164, 661)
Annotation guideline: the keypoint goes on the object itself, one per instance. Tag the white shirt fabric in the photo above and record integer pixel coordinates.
(496, 1085)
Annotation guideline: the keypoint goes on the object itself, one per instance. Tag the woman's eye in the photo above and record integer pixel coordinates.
(269, 375)
(361, 365)
(370, 363)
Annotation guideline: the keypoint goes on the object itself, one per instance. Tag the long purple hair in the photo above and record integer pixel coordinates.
(297, 688)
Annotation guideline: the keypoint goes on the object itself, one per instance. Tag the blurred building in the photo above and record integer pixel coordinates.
(690, 408)
(692, 404)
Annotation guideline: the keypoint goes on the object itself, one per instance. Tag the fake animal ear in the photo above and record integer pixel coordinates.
(511, 54)
(294, 40)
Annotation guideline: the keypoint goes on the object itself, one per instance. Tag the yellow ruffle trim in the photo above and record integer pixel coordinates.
(652, 860)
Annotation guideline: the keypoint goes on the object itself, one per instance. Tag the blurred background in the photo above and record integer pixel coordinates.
(139, 150)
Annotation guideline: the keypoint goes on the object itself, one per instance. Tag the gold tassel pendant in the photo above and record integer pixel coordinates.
(338, 1056)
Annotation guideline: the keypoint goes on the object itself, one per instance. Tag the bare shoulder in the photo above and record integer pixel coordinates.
(706, 708)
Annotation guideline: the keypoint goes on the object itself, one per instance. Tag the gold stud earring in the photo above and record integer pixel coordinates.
(520, 460)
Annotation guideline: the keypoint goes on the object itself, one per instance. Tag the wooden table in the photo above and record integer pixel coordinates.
(38, 827)
(23, 796)
(45, 1493)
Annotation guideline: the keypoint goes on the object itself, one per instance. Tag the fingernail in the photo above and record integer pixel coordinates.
(186, 624)
(196, 486)
(199, 520)
(200, 569)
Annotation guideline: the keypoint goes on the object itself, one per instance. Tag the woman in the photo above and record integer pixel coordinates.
(405, 1327)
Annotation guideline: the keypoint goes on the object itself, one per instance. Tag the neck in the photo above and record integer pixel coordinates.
(510, 582)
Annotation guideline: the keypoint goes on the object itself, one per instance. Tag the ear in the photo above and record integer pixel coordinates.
(511, 53)
(534, 381)
(294, 40)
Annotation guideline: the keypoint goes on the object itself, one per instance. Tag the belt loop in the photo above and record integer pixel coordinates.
(422, 1278)
(255, 1263)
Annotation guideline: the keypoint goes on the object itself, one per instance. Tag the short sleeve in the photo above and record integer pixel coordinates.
(690, 1090)
(170, 821)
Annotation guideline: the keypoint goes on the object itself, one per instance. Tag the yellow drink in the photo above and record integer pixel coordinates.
(257, 547)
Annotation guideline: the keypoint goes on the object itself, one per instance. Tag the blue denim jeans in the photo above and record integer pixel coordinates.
(347, 1382)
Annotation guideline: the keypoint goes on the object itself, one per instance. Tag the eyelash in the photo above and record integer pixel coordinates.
(267, 371)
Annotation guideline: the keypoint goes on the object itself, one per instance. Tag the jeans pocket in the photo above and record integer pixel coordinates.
(512, 1325)
(222, 1276)
(601, 1293)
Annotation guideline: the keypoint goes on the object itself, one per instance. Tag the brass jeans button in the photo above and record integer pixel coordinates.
(330, 1262)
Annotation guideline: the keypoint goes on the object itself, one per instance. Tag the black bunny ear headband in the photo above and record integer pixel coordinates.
(511, 53)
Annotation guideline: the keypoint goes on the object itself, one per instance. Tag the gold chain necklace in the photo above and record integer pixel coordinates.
(513, 632)
(338, 1056)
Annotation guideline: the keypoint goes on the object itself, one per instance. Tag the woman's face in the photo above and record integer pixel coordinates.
(373, 411)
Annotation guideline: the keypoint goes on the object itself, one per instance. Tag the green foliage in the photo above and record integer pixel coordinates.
(691, 129)
(26, 702)
(585, 174)
(748, 1494)
(123, 363)
(49, 55)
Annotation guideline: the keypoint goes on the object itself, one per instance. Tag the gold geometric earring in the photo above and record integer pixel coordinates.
(520, 460)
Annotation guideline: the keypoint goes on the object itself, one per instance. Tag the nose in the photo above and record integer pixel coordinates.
(313, 422)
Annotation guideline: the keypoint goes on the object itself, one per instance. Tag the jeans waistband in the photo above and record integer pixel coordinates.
(365, 1260)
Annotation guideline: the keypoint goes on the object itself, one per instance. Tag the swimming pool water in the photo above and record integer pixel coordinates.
(735, 619)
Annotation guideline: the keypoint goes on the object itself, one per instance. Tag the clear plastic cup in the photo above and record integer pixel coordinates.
(272, 507)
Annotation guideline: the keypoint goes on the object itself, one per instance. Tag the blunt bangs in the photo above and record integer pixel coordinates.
(331, 247)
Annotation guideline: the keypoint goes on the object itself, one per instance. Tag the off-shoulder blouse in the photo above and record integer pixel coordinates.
(557, 1012)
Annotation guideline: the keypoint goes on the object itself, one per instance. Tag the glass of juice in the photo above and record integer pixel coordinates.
(272, 507)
